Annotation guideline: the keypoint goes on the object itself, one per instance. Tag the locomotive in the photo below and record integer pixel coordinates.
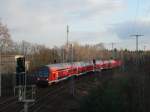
(53, 73)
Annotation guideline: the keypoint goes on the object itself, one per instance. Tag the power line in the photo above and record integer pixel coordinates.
(137, 11)
(136, 16)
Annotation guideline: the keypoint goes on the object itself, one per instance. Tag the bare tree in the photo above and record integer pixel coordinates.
(5, 41)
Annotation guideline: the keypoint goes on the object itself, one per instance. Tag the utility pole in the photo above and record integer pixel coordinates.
(63, 55)
(112, 46)
(137, 67)
(144, 47)
(67, 42)
(137, 40)
(72, 88)
(70, 59)
(67, 35)
(0, 75)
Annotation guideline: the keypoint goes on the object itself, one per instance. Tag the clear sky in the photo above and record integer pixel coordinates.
(90, 21)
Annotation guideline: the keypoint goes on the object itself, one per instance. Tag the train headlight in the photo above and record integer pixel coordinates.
(38, 79)
(47, 79)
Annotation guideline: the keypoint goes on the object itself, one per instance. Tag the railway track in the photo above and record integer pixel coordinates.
(5, 101)
(9, 106)
(55, 96)
(42, 96)
(50, 96)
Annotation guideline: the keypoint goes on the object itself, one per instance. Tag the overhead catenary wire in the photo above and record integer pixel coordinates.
(136, 17)
(135, 29)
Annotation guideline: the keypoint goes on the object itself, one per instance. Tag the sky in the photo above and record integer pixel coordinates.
(90, 21)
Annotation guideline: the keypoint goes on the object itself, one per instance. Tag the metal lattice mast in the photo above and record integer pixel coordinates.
(72, 78)
(67, 45)
(137, 40)
(113, 49)
(67, 35)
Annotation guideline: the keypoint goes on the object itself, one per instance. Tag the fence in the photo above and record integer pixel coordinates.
(7, 84)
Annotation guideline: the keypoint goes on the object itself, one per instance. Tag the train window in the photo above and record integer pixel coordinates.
(43, 72)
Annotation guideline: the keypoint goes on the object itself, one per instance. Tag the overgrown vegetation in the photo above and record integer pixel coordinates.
(127, 92)
(108, 97)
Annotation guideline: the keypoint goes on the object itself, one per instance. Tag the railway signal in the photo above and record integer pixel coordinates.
(20, 70)
(20, 65)
(94, 61)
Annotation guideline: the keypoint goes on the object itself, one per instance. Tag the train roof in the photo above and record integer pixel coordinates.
(66, 65)
(59, 65)
(81, 63)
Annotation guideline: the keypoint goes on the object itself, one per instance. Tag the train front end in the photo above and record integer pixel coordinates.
(42, 76)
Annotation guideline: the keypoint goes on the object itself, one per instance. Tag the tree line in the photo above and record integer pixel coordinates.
(39, 55)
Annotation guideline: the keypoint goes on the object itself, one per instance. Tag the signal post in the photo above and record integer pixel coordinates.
(21, 85)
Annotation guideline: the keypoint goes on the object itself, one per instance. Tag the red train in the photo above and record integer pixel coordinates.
(57, 72)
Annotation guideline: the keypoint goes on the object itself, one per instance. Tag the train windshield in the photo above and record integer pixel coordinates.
(43, 72)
